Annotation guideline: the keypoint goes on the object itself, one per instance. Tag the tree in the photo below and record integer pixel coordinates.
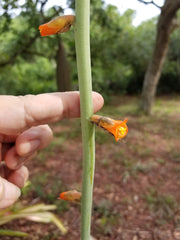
(62, 69)
(23, 36)
(167, 22)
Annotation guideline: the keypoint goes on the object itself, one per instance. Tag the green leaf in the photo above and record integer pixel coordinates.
(6, 232)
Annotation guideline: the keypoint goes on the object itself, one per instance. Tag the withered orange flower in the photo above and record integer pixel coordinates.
(71, 196)
(116, 127)
(58, 25)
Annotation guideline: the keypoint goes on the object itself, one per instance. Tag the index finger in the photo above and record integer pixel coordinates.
(20, 113)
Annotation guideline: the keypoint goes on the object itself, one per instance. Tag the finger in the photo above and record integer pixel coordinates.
(33, 139)
(0, 152)
(27, 144)
(9, 193)
(3, 170)
(20, 113)
(19, 177)
(14, 161)
(5, 148)
(7, 138)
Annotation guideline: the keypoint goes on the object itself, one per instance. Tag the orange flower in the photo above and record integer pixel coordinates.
(116, 127)
(58, 25)
(71, 196)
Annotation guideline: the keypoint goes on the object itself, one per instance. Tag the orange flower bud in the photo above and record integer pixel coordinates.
(58, 25)
(71, 196)
(116, 127)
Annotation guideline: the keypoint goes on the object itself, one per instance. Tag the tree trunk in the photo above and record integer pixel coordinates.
(166, 25)
(62, 70)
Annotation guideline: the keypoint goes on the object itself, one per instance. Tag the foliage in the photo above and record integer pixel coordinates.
(21, 63)
(37, 213)
(27, 77)
(140, 50)
(120, 52)
(109, 66)
(170, 79)
(4, 232)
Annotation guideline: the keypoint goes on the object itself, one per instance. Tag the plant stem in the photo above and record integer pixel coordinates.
(82, 40)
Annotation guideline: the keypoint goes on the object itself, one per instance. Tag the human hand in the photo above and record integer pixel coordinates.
(23, 131)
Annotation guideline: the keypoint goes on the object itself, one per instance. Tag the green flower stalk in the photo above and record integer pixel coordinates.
(82, 41)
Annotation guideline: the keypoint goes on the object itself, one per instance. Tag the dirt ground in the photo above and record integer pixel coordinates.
(136, 184)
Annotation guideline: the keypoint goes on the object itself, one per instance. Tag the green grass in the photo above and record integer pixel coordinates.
(106, 217)
(175, 155)
(167, 106)
(163, 206)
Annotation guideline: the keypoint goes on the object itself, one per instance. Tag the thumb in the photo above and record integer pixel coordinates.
(9, 193)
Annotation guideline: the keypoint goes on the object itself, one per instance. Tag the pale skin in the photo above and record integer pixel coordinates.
(24, 131)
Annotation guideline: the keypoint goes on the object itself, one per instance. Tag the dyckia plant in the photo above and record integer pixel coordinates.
(118, 128)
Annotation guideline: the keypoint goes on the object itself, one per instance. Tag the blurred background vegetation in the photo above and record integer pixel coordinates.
(120, 51)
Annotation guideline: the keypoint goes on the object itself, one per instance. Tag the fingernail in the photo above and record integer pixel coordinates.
(18, 192)
(10, 194)
(1, 189)
(30, 146)
(20, 181)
